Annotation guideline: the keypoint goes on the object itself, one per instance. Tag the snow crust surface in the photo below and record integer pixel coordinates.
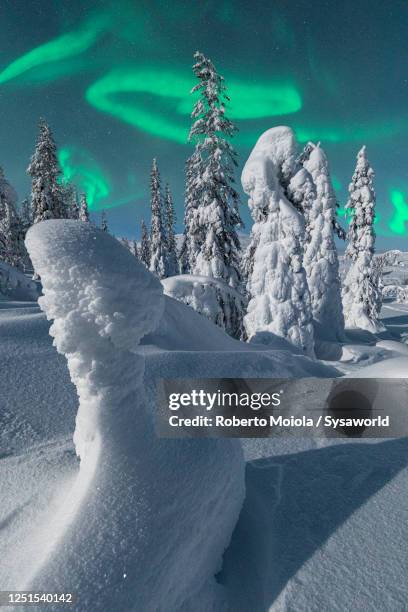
(320, 528)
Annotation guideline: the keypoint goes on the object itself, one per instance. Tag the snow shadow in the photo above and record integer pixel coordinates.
(293, 504)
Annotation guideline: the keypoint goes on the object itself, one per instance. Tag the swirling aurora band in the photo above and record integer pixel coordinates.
(160, 103)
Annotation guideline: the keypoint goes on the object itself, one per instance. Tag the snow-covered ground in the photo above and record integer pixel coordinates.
(323, 523)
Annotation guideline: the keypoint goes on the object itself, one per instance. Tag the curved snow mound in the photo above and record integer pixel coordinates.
(210, 297)
(15, 285)
(148, 519)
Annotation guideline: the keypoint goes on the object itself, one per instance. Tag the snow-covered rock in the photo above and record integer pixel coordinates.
(211, 297)
(145, 523)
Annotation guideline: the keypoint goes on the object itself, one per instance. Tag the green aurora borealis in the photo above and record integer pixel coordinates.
(116, 84)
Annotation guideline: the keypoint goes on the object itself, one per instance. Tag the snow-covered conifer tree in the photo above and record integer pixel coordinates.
(104, 222)
(26, 214)
(46, 195)
(191, 237)
(320, 259)
(83, 209)
(70, 200)
(12, 249)
(133, 248)
(12, 229)
(8, 194)
(172, 266)
(157, 232)
(279, 298)
(360, 292)
(144, 245)
(216, 217)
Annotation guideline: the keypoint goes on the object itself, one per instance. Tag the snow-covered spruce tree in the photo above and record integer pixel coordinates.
(216, 218)
(83, 209)
(12, 249)
(360, 291)
(157, 233)
(144, 253)
(12, 230)
(70, 200)
(104, 222)
(133, 248)
(279, 299)
(46, 194)
(26, 214)
(191, 237)
(8, 194)
(320, 258)
(172, 266)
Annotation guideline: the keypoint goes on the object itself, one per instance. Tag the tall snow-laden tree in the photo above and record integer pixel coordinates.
(83, 214)
(216, 218)
(26, 214)
(157, 232)
(172, 267)
(104, 222)
(8, 194)
(12, 249)
(321, 259)
(361, 298)
(70, 200)
(144, 245)
(191, 238)
(46, 195)
(12, 229)
(279, 299)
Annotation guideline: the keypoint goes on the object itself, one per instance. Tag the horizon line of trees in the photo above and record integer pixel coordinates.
(303, 281)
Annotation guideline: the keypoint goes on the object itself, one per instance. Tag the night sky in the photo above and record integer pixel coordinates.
(113, 81)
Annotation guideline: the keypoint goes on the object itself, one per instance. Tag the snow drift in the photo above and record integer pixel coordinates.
(15, 285)
(147, 520)
(211, 297)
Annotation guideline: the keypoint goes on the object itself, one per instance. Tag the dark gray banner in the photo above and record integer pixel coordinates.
(262, 408)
